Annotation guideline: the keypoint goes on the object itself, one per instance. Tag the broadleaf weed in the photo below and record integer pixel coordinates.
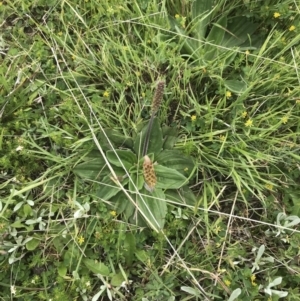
(77, 81)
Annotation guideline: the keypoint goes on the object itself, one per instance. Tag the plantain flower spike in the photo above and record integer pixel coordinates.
(158, 96)
(149, 174)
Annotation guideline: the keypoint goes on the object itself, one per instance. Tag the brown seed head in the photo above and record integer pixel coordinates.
(149, 174)
(158, 96)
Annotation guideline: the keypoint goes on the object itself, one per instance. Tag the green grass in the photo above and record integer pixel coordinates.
(77, 80)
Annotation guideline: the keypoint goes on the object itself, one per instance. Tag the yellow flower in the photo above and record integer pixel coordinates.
(98, 235)
(293, 27)
(249, 123)
(244, 114)
(106, 94)
(228, 94)
(177, 16)
(186, 169)
(217, 229)
(284, 119)
(269, 186)
(291, 145)
(247, 52)
(227, 282)
(276, 15)
(182, 22)
(60, 33)
(129, 84)
(113, 213)
(80, 240)
(193, 117)
(222, 137)
(253, 277)
(298, 101)
(110, 10)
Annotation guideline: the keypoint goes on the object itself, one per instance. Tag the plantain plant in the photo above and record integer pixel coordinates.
(148, 171)
(211, 37)
(210, 33)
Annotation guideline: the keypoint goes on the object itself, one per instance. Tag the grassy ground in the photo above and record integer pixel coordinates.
(77, 82)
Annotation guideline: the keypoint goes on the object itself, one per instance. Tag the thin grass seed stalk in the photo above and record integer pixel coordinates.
(157, 100)
(148, 169)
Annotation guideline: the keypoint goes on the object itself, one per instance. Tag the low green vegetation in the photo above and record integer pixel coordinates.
(149, 150)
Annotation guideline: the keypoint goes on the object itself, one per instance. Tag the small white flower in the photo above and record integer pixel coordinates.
(19, 148)
(125, 283)
(13, 290)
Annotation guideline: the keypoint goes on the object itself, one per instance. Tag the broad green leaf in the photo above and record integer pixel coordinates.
(117, 279)
(154, 207)
(129, 248)
(62, 270)
(58, 243)
(230, 57)
(260, 252)
(190, 290)
(142, 255)
(31, 221)
(107, 188)
(168, 178)
(155, 139)
(235, 294)
(275, 282)
(91, 169)
(129, 211)
(96, 267)
(182, 196)
(18, 206)
(170, 135)
(201, 14)
(235, 86)
(116, 139)
(32, 244)
(127, 157)
(121, 203)
(27, 210)
(98, 294)
(177, 160)
(92, 154)
(17, 224)
(188, 46)
(280, 294)
(138, 181)
(215, 37)
(239, 30)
